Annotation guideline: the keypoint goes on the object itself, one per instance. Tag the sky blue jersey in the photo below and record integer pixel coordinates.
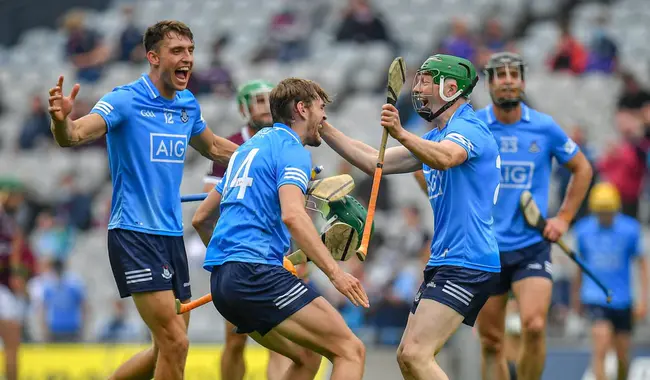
(527, 149)
(147, 139)
(608, 252)
(250, 227)
(463, 197)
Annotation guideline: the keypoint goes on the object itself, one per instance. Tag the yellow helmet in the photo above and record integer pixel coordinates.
(604, 197)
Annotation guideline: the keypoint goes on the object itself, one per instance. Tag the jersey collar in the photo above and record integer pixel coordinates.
(245, 135)
(288, 129)
(151, 90)
(525, 114)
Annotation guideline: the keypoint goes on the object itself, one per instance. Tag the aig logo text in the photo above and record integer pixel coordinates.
(168, 148)
(517, 174)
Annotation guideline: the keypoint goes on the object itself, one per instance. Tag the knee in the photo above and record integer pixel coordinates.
(353, 349)
(310, 360)
(492, 344)
(236, 343)
(171, 337)
(410, 356)
(534, 327)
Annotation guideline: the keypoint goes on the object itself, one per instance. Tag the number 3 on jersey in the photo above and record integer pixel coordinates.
(241, 180)
(496, 191)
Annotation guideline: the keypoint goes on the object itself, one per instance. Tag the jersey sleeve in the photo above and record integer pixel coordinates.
(114, 107)
(562, 147)
(293, 167)
(199, 124)
(469, 136)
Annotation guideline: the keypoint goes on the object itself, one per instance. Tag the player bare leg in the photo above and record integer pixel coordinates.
(142, 365)
(233, 366)
(601, 338)
(533, 296)
(10, 333)
(278, 366)
(169, 331)
(320, 328)
(622, 341)
(426, 332)
(304, 362)
(491, 327)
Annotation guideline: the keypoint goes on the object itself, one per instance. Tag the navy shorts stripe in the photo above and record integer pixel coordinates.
(257, 297)
(144, 262)
(462, 289)
(531, 261)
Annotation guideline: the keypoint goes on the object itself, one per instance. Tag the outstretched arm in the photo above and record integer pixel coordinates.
(396, 159)
(69, 132)
(213, 147)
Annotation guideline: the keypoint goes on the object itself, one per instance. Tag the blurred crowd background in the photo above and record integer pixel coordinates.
(588, 66)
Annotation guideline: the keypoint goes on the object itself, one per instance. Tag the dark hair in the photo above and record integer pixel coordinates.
(291, 91)
(157, 32)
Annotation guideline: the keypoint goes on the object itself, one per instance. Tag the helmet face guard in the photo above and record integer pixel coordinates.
(254, 95)
(505, 73)
(434, 71)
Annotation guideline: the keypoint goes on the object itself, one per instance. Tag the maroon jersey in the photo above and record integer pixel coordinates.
(8, 231)
(217, 171)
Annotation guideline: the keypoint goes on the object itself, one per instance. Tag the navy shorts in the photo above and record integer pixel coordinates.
(621, 319)
(462, 289)
(144, 262)
(531, 261)
(257, 297)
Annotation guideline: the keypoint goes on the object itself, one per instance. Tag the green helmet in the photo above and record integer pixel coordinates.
(441, 67)
(248, 91)
(349, 211)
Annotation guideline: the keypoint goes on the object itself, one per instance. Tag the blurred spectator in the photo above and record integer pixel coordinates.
(563, 175)
(73, 206)
(460, 41)
(52, 239)
(287, 36)
(624, 163)
(493, 40)
(36, 127)
(118, 327)
(634, 97)
(130, 47)
(569, 56)
(64, 308)
(602, 49)
(216, 79)
(361, 24)
(84, 48)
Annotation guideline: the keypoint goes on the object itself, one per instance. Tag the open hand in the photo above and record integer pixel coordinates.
(350, 287)
(61, 106)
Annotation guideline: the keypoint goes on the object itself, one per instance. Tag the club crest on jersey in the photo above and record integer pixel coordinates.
(534, 148)
(166, 274)
(184, 116)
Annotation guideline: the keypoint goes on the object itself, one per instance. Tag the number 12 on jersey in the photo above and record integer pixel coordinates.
(240, 180)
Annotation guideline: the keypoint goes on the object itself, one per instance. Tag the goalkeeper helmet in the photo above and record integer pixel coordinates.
(604, 198)
(434, 71)
(505, 74)
(247, 100)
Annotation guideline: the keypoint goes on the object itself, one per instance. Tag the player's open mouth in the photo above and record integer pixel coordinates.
(182, 73)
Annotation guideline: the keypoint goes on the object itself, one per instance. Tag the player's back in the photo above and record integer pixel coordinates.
(250, 227)
(463, 197)
(608, 252)
(147, 138)
(527, 148)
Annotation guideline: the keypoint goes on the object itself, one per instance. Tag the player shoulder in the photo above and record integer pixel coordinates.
(538, 118)
(483, 114)
(629, 222)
